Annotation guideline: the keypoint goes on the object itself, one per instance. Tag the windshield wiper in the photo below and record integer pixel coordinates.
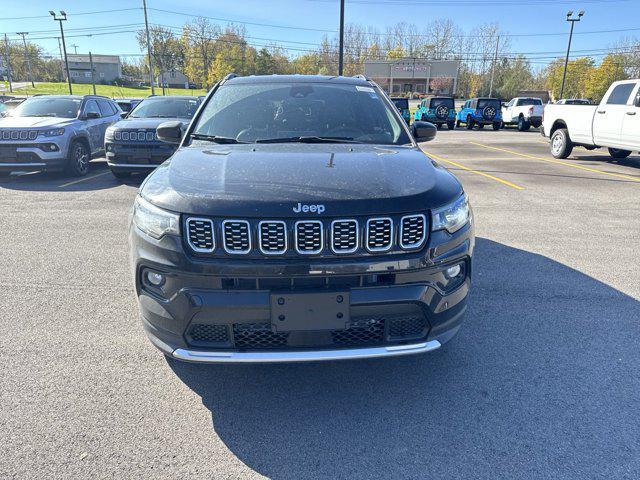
(308, 139)
(214, 138)
(41, 115)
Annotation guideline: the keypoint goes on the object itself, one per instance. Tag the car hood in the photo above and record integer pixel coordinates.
(25, 122)
(147, 123)
(271, 180)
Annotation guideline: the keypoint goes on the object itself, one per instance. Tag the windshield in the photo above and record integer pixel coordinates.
(529, 101)
(401, 103)
(48, 107)
(289, 111)
(447, 102)
(485, 102)
(165, 107)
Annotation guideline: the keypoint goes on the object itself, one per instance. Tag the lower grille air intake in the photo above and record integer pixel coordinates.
(200, 234)
(236, 236)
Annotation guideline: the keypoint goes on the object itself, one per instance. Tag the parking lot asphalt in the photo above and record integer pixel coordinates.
(542, 382)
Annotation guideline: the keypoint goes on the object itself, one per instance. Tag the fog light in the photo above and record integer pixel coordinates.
(154, 278)
(452, 272)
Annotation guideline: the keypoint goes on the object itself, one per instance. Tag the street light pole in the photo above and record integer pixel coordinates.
(61, 18)
(341, 46)
(26, 56)
(566, 60)
(146, 25)
(6, 50)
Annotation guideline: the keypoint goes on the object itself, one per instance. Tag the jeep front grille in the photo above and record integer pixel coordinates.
(309, 236)
(412, 231)
(379, 234)
(344, 236)
(236, 236)
(200, 234)
(135, 135)
(18, 134)
(288, 237)
(272, 237)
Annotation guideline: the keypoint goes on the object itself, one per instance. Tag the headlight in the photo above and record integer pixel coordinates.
(154, 221)
(453, 216)
(55, 132)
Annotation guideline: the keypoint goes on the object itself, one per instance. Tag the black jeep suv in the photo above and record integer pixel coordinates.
(298, 220)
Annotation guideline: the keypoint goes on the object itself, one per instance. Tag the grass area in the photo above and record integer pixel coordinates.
(106, 90)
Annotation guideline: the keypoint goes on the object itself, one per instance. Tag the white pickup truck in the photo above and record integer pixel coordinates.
(615, 123)
(523, 112)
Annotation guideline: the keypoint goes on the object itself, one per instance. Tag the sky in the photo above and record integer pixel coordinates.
(301, 24)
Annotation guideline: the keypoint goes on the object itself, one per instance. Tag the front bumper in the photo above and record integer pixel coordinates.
(231, 296)
(136, 157)
(50, 154)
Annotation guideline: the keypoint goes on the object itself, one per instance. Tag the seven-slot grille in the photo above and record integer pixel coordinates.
(272, 237)
(200, 234)
(135, 135)
(309, 236)
(19, 134)
(412, 231)
(379, 234)
(236, 236)
(344, 236)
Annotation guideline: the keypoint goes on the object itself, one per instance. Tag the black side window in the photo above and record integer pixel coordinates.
(91, 106)
(620, 94)
(105, 108)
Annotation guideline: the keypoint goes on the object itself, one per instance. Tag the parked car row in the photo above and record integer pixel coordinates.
(63, 132)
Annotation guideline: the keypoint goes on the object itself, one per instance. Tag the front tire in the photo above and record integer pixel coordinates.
(439, 126)
(480, 126)
(451, 125)
(78, 159)
(497, 125)
(618, 153)
(469, 124)
(457, 123)
(561, 144)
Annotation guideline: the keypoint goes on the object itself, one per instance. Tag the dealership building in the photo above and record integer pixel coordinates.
(415, 75)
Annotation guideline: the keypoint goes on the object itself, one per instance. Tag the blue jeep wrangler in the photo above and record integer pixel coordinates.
(402, 104)
(480, 112)
(437, 110)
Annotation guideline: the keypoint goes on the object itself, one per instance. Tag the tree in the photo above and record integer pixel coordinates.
(198, 40)
(513, 76)
(166, 49)
(609, 70)
(578, 73)
(397, 52)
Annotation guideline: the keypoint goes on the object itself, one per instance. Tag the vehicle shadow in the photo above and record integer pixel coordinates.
(98, 178)
(631, 161)
(541, 382)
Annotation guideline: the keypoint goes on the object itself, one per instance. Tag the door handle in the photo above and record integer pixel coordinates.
(602, 111)
(631, 113)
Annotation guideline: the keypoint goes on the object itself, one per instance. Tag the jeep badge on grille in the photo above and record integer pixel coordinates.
(309, 208)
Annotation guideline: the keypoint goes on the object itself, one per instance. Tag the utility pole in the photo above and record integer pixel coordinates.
(61, 59)
(6, 51)
(566, 60)
(341, 48)
(26, 56)
(75, 47)
(146, 25)
(93, 78)
(493, 65)
(63, 18)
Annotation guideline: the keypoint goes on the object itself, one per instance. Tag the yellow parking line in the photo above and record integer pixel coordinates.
(82, 180)
(497, 179)
(559, 162)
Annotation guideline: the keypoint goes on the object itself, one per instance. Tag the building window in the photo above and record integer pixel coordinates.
(87, 74)
(74, 73)
(101, 74)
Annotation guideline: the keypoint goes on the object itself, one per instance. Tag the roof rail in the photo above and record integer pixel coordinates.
(229, 77)
(361, 76)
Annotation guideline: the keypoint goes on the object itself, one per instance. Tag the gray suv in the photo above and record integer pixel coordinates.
(55, 133)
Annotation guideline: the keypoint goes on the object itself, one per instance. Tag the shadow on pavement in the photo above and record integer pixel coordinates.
(542, 382)
(98, 178)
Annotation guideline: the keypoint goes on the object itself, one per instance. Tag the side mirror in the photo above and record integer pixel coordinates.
(124, 114)
(423, 131)
(91, 115)
(170, 132)
(637, 102)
